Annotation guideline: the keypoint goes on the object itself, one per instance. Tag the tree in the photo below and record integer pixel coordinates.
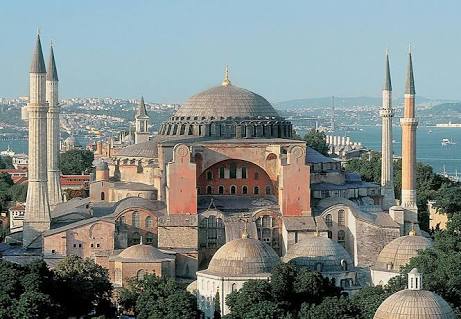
(330, 307)
(312, 287)
(18, 193)
(82, 286)
(6, 162)
(217, 306)
(74, 162)
(317, 140)
(155, 297)
(251, 295)
(448, 199)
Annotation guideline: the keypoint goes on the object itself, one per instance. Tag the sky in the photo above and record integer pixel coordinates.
(169, 50)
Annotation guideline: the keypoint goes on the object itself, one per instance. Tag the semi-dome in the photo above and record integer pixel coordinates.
(142, 253)
(243, 257)
(398, 252)
(319, 253)
(227, 111)
(414, 303)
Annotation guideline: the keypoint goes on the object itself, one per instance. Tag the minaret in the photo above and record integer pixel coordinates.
(37, 215)
(54, 183)
(409, 124)
(386, 113)
(142, 119)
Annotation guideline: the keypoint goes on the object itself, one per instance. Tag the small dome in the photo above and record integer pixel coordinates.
(421, 304)
(243, 256)
(319, 250)
(398, 252)
(142, 253)
(226, 101)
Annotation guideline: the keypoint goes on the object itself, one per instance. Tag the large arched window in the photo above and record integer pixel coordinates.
(135, 219)
(221, 172)
(342, 238)
(135, 238)
(211, 232)
(149, 222)
(233, 170)
(244, 172)
(329, 220)
(140, 274)
(341, 217)
(103, 196)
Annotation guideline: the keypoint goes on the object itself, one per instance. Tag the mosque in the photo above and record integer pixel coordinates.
(222, 194)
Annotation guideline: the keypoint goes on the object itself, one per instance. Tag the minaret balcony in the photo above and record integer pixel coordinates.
(408, 121)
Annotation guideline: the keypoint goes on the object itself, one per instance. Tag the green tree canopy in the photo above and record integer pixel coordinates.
(74, 162)
(317, 140)
(18, 192)
(155, 297)
(330, 307)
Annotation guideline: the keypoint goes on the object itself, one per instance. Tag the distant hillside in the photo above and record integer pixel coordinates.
(344, 102)
(447, 107)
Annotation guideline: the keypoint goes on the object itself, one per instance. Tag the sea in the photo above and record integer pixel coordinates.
(429, 148)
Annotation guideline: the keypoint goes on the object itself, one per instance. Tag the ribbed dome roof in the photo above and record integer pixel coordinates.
(226, 101)
(420, 304)
(399, 252)
(242, 257)
(142, 253)
(312, 251)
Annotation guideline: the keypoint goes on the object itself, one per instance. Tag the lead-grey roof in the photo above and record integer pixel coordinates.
(387, 75)
(227, 101)
(314, 157)
(410, 80)
(52, 74)
(139, 202)
(38, 64)
(147, 150)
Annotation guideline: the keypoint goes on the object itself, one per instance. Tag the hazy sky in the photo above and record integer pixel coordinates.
(168, 50)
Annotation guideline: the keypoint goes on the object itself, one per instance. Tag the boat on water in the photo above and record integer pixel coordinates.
(430, 131)
(446, 141)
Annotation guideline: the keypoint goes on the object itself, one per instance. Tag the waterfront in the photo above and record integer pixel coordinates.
(429, 149)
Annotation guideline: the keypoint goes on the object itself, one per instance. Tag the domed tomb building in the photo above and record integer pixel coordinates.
(231, 266)
(414, 302)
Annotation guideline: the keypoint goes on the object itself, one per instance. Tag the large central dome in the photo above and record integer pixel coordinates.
(227, 111)
(227, 101)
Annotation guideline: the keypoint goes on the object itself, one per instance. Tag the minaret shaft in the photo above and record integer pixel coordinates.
(409, 124)
(387, 171)
(54, 174)
(37, 215)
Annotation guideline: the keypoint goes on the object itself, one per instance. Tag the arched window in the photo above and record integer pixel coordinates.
(342, 238)
(211, 232)
(103, 196)
(233, 190)
(209, 175)
(268, 190)
(244, 172)
(221, 190)
(221, 172)
(256, 190)
(244, 190)
(329, 220)
(149, 238)
(209, 190)
(139, 168)
(341, 218)
(122, 220)
(234, 286)
(233, 170)
(149, 222)
(330, 234)
(140, 274)
(318, 267)
(344, 265)
(135, 219)
(136, 238)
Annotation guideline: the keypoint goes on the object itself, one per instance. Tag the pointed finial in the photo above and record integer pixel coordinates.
(38, 31)
(412, 231)
(226, 81)
(409, 47)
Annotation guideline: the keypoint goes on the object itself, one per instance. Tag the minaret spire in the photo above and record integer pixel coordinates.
(387, 113)
(141, 123)
(410, 80)
(38, 63)
(52, 97)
